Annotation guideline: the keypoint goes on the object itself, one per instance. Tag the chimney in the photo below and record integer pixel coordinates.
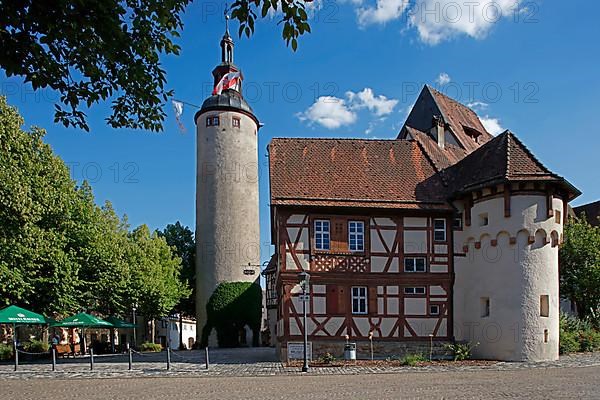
(437, 131)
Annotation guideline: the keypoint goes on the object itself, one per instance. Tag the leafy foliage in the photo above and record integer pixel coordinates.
(36, 346)
(150, 347)
(6, 351)
(580, 266)
(293, 17)
(577, 335)
(232, 306)
(412, 360)
(327, 358)
(461, 351)
(91, 52)
(61, 253)
(181, 240)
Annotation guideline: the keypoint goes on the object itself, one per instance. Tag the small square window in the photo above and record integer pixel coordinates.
(434, 309)
(414, 264)
(484, 219)
(359, 300)
(235, 122)
(485, 307)
(215, 121)
(544, 305)
(322, 234)
(439, 230)
(457, 224)
(414, 290)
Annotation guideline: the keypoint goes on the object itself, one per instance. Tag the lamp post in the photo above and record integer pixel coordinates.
(134, 308)
(304, 281)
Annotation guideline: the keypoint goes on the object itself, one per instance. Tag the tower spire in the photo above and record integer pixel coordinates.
(226, 42)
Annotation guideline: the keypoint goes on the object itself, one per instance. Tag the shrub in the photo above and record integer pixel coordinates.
(6, 351)
(412, 359)
(232, 306)
(589, 340)
(36, 346)
(568, 342)
(150, 347)
(461, 351)
(327, 358)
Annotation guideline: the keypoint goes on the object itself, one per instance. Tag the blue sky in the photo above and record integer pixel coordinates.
(533, 69)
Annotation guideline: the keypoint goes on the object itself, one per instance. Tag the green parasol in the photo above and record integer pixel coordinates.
(19, 316)
(83, 320)
(119, 323)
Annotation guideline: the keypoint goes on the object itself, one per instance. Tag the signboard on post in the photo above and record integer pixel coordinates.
(295, 350)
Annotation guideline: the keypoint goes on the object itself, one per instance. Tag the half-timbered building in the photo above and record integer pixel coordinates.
(444, 234)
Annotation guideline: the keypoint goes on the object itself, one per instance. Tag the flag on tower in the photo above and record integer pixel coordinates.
(178, 109)
(228, 81)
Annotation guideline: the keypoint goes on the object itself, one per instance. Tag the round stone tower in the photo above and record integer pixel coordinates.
(227, 221)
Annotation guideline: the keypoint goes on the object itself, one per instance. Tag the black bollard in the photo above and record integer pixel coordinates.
(16, 356)
(53, 359)
(130, 359)
(168, 358)
(91, 359)
(206, 356)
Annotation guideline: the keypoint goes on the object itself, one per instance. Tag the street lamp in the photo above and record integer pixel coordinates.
(135, 327)
(304, 281)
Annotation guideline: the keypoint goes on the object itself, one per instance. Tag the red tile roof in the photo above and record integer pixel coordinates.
(591, 211)
(441, 158)
(353, 173)
(461, 119)
(503, 159)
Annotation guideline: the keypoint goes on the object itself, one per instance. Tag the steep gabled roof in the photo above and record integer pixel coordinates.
(353, 173)
(591, 211)
(503, 159)
(441, 158)
(462, 120)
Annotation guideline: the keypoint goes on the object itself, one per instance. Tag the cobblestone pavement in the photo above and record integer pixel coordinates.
(528, 383)
(249, 363)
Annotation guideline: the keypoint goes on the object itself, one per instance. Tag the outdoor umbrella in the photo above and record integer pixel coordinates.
(83, 320)
(16, 315)
(19, 316)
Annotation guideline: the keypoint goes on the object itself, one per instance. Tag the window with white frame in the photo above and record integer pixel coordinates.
(356, 236)
(439, 230)
(322, 235)
(414, 264)
(359, 300)
(414, 290)
(434, 309)
(212, 121)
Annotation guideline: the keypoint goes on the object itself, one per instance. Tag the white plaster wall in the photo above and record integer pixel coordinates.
(512, 276)
(227, 219)
(415, 306)
(415, 241)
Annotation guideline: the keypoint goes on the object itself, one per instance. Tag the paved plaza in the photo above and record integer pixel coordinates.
(532, 383)
(255, 374)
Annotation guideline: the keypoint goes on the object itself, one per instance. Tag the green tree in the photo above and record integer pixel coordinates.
(156, 284)
(181, 240)
(110, 50)
(36, 210)
(580, 266)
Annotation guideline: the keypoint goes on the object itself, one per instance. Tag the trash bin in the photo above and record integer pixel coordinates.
(350, 351)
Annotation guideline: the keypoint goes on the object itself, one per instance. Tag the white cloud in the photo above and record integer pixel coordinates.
(478, 105)
(443, 79)
(440, 20)
(329, 112)
(378, 105)
(492, 125)
(382, 12)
